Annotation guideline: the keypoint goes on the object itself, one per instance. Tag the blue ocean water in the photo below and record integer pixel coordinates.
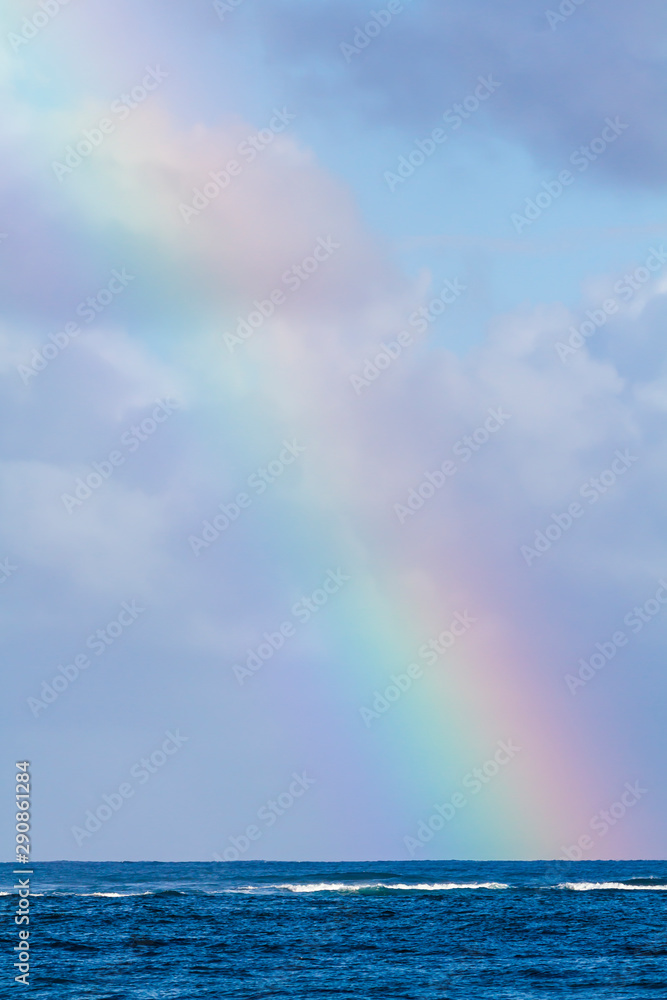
(431, 930)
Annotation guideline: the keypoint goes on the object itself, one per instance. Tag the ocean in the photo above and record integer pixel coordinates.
(446, 930)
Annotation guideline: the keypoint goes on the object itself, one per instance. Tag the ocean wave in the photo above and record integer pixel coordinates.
(289, 887)
(116, 894)
(629, 886)
(376, 887)
(79, 895)
(391, 886)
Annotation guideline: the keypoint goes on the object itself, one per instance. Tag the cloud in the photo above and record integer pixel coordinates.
(557, 85)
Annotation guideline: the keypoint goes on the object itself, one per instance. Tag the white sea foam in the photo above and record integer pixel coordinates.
(116, 895)
(81, 894)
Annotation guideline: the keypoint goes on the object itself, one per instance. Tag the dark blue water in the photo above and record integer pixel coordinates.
(498, 931)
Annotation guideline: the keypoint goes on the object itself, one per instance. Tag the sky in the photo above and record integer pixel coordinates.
(332, 445)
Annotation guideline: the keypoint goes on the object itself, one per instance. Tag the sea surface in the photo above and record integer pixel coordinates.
(431, 930)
